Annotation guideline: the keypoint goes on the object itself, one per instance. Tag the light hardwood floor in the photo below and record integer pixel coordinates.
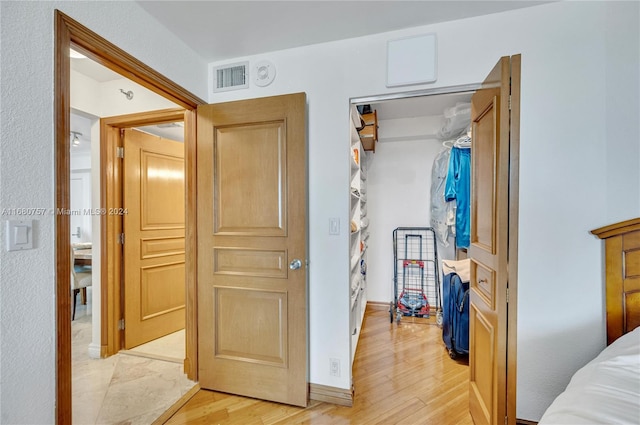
(402, 375)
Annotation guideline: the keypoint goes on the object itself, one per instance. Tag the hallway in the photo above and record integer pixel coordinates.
(134, 388)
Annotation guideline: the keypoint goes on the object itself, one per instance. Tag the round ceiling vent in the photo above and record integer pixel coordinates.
(264, 73)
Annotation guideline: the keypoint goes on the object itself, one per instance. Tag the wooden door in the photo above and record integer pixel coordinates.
(153, 192)
(252, 225)
(489, 249)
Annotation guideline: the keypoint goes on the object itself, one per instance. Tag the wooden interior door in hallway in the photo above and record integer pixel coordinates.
(252, 248)
(154, 248)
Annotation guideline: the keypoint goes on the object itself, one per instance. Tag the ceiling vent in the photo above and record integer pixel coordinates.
(231, 77)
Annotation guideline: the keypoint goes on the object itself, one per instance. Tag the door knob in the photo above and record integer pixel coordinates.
(295, 264)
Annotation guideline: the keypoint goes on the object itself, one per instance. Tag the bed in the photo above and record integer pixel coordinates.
(607, 389)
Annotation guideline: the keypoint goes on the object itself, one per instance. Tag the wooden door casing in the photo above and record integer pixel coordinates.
(70, 33)
(252, 309)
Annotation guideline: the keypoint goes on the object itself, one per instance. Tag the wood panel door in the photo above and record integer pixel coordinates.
(252, 226)
(489, 248)
(153, 201)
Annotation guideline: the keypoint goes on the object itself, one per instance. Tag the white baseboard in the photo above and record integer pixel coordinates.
(94, 351)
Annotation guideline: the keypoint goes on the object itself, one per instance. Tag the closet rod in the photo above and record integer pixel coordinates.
(416, 93)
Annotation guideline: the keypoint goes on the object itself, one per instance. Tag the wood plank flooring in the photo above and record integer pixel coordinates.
(402, 375)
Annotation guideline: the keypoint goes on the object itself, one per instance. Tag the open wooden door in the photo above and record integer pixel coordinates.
(252, 230)
(154, 253)
(494, 169)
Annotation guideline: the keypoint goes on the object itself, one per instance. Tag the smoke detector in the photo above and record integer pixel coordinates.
(263, 73)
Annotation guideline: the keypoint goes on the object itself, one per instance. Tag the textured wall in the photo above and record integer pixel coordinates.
(27, 296)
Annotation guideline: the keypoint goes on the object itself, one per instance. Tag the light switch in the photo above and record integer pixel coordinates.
(334, 226)
(19, 235)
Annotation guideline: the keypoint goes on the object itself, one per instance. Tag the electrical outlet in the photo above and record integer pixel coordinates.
(334, 367)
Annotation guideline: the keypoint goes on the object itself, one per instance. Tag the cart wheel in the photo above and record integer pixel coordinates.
(398, 317)
(452, 354)
(439, 318)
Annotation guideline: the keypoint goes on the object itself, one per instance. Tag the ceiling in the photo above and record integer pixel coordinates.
(218, 30)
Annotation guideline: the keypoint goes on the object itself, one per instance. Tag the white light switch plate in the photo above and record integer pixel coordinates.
(19, 235)
(334, 226)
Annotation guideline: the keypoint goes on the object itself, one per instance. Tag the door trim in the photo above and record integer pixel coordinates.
(68, 32)
(512, 256)
(111, 225)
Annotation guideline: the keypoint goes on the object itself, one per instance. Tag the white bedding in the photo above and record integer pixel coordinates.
(605, 391)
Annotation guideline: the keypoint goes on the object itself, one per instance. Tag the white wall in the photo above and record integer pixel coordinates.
(398, 195)
(28, 337)
(622, 97)
(106, 100)
(566, 177)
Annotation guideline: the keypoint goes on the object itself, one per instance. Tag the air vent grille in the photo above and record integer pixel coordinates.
(231, 77)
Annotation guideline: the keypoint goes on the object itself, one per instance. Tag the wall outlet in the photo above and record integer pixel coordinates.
(334, 367)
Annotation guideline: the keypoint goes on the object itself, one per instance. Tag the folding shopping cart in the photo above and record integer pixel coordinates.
(416, 285)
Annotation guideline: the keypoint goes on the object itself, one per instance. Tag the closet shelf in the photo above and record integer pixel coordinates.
(355, 260)
(359, 221)
(354, 164)
(354, 296)
(369, 134)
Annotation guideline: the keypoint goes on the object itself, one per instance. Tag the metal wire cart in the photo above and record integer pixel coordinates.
(416, 285)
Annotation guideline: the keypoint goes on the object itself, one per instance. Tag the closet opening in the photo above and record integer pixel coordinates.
(488, 384)
(400, 148)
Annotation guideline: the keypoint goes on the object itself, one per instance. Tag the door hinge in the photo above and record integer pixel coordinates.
(506, 420)
(119, 152)
(121, 238)
(507, 295)
(509, 102)
(121, 324)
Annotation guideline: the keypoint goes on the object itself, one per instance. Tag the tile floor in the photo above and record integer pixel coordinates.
(130, 388)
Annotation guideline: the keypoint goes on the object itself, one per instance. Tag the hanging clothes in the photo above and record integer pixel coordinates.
(442, 212)
(458, 188)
